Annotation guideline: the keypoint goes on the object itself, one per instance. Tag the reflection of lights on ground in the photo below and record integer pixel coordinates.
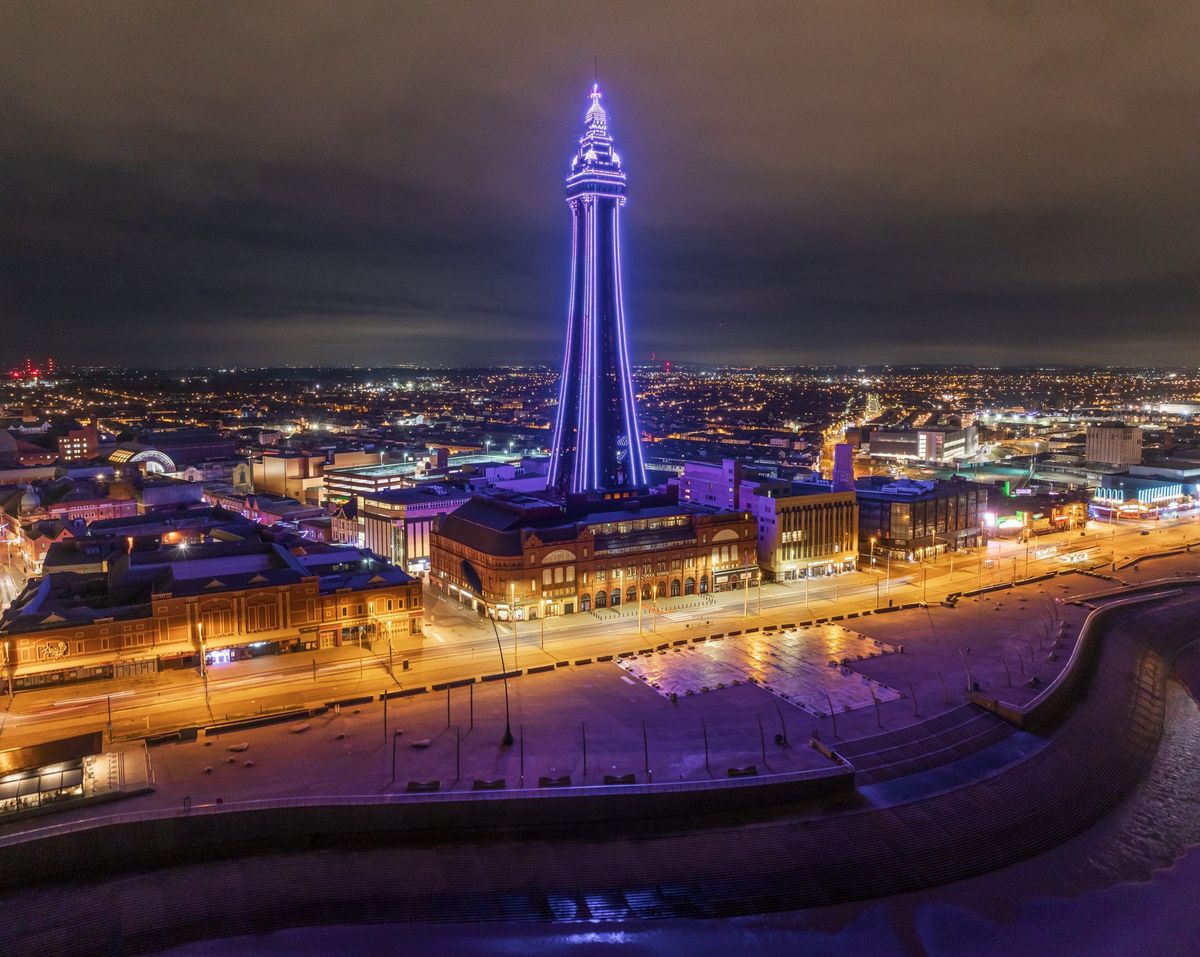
(793, 665)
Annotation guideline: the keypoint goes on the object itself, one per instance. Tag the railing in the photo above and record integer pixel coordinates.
(442, 797)
(1039, 710)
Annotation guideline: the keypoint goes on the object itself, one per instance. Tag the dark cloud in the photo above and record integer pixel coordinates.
(368, 183)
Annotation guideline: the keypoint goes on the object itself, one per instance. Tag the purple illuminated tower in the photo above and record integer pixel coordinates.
(597, 446)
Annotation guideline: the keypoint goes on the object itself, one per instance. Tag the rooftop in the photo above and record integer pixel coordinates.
(134, 579)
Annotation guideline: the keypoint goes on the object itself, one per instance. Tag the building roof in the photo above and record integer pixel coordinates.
(133, 579)
(905, 489)
(415, 495)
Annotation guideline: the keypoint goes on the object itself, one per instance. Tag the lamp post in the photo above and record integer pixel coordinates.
(512, 611)
(507, 738)
(872, 552)
(638, 585)
(203, 665)
(388, 625)
(545, 605)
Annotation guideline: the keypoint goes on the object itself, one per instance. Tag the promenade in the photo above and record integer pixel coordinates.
(581, 720)
(944, 789)
(458, 645)
(796, 857)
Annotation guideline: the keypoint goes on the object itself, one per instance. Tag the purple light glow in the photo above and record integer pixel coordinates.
(597, 444)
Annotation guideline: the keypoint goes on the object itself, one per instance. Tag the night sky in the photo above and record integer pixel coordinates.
(353, 183)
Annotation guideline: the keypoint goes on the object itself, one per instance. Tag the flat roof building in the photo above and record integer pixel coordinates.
(1114, 443)
(923, 445)
(397, 522)
(917, 520)
(804, 529)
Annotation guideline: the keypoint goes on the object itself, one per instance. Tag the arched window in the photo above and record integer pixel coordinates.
(661, 591)
(600, 599)
(631, 594)
(645, 593)
(703, 584)
(689, 586)
(585, 602)
(675, 588)
(616, 597)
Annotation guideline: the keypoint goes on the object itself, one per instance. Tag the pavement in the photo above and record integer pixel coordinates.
(626, 726)
(726, 866)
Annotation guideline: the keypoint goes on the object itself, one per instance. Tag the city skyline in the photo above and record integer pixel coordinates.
(403, 537)
(967, 185)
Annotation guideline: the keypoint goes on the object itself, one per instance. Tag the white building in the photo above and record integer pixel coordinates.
(1114, 443)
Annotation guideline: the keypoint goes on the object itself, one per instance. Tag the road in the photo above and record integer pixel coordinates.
(458, 645)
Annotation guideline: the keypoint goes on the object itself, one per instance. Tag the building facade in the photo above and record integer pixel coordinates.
(397, 524)
(516, 555)
(804, 529)
(79, 445)
(924, 445)
(913, 521)
(291, 473)
(1026, 516)
(171, 606)
(1114, 444)
(596, 443)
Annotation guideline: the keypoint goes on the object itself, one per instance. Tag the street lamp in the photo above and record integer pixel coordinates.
(203, 666)
(388, 624)
(507, 738)
(872, 552)
(512, 611)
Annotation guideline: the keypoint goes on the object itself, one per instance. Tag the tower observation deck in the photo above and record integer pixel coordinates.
(596, 443)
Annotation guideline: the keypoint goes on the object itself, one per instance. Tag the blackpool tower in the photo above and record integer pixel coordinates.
(596, 445)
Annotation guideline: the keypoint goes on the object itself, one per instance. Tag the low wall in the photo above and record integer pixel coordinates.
(154, 839)
(1050, 707)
